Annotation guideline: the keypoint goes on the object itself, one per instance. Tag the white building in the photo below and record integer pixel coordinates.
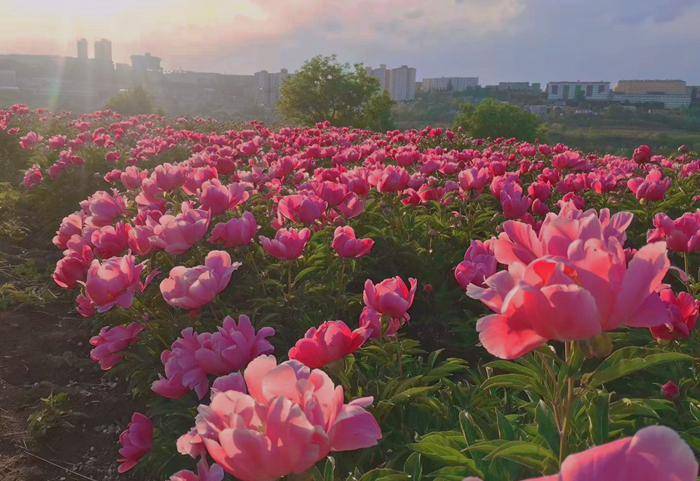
(563, 91)
(399, 82)
(269, 85)
(455, 84)
(673, 94)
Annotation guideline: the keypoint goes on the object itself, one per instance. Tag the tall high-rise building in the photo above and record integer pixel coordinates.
(269, 86)
(399, 82)
(82, 49)
(103, 50)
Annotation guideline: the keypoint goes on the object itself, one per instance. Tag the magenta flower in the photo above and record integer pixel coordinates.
(348, 246)
(113, 282)
(236, 232)
(32, 177)
(681, 234)
(168, 177)
(177, 234)
(301, 208)
(331, 341)
(135, 442)
(204, 473)
(288, 244)
(102, 208)
(110, 343)
(683, 310)
(194, 287)
(478, 264)
(219, 198)
(390, 297)
(652, 188)
(111, 241)
(291, 418)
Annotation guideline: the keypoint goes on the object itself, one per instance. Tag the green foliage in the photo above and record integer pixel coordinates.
(496, 119)
(134, 101)
(53, 413)
(325, 90)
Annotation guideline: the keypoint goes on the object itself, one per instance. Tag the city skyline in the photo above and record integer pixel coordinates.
(498, 40)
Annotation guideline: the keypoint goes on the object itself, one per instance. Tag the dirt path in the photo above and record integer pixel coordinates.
(42, 355)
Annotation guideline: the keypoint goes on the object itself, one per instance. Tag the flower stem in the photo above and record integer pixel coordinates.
(567, 405)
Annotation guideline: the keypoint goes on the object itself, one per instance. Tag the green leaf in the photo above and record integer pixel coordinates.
(442, 453)
(385, 475)
(599, 417)
(629, 360)
(546, 427)
(528, 454)
(414, 466)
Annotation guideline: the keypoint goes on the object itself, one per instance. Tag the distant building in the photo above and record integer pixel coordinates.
(563, 91)
(399, 82)
(454, 84)
(269, 86)
(673, 94)
(82, 49)
(103, 51)
(519, 86)
(145, 63)
(8, 80)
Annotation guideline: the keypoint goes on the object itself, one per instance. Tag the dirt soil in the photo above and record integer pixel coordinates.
(44, 353)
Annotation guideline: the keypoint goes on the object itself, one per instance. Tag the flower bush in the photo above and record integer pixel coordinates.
(497, 305)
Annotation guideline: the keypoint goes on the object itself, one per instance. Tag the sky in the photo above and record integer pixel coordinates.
(496, 40)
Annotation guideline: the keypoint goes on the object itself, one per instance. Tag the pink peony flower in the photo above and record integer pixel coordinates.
(681, 234)
(168, 177)
(348, 246)
(392, 179)
(219, 198)
(683, 315)
(136, 442)
(300, 208)
(102, 208)
(390, 297)
(513, 203)
(291, 418)
(332, 341)
(113, 282)
(194, 357)
(31, 140)
(204, 473)
(177, 234)
(288, 244)
(478, 264)
(111, 241)
(110, 343)
(558, 288)
(32, 177)
(236, 232)
(195, 287)
(652, 188)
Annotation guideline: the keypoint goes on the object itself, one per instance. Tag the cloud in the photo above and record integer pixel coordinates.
(536, 40)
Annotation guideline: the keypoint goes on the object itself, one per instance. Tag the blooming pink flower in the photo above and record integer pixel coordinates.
(110, 343)
(513, 202)
(194, 287)
(392, 179)
(194, 357)
(474, 178)
(681, 234)
(204, 473)
(168, 177)
(683, 315)
(103, 208)
(347, 245)
(219, 198)
(304, 209)
(177, 234)
(131, 177)
(31, 140)
(111, 241)
(478, 264)
(136, 442)
(291, 418)
(332, 341)
(557, 288)
(642, 154)
(653, 187)
(391, 296)
(113, 282)
(74, 265)
(288, 244)
(32, 177)
(236, 232)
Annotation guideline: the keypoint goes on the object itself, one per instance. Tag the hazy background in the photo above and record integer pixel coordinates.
(535, 40)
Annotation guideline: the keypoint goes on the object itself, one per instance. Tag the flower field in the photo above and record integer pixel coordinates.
(336, 304)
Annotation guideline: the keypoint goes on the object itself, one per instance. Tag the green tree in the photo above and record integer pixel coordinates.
(495, 119)
(135, 101)
(345, 95)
